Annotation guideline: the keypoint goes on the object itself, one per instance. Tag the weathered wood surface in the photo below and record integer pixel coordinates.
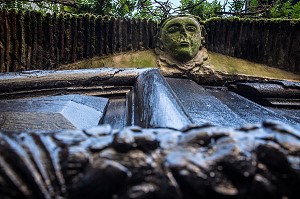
(58, 79)
(30, 40)
(187, 160)
(52, 112)
(271, 42)
(143, 97)
(258, 161)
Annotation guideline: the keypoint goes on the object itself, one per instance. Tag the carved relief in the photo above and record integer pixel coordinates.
(180, 47)
(199, 162)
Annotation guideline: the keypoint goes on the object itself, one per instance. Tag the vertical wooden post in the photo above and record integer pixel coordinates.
(73, 38)
(40, 52)
(61, 40)
(14, 42)
(106, 35)
(2, 41)
(140, 35)
(124, 34)
(34, 40)
(112, 35)
(51, 40)
(135, 35)
(119, 35)
(67, 36)
(93, 39)
(97, 35)
(80, 37)
(28, 39)
(22, 36)
(129, 45)
(152, 34)
(87, 36)
(8, 41)
(210, 35)
(145, 33)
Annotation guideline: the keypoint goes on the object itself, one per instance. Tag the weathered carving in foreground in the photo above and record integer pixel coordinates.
(198, 162)
(180, 48)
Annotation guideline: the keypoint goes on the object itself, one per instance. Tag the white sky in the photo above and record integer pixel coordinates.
(177, 2)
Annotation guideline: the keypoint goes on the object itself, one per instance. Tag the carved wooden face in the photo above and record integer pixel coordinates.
(181, 38)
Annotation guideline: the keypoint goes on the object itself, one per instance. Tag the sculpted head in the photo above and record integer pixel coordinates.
(181, 37)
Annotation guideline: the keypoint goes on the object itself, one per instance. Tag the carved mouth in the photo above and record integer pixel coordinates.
(184, 43)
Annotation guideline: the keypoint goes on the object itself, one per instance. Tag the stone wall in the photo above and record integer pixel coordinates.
(30, 40)
(272, 42)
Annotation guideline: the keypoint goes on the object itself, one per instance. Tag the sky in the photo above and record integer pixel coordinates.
(177, 2)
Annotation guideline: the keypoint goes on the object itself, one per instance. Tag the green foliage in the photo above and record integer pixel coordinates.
(115, 8)
(119, 8)
(236, 6)
(254, 3)
(282, 9)
(293, 22)
(142, 10)
(42, 6)
(296, 11)
(203, 9)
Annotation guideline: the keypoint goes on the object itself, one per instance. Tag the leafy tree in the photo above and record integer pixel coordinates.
(48, 5)
(157, 9)
(122, 8)
(201, 8)
(43, 6)
(285, 10)
(237, 6)
(100, 7)
(296, 11)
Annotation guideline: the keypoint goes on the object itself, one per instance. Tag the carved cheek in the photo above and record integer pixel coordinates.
(195, 38)
(172, 39)
(190, 36)
(176, 37)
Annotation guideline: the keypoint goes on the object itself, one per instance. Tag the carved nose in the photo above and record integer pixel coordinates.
(183, 33)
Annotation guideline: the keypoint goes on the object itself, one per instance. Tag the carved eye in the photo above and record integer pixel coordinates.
(191, 28)
(173, 29)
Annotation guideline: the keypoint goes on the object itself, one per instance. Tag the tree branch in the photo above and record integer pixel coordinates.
(193, 6)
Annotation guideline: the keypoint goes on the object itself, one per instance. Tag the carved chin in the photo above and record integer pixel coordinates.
(183, 55)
